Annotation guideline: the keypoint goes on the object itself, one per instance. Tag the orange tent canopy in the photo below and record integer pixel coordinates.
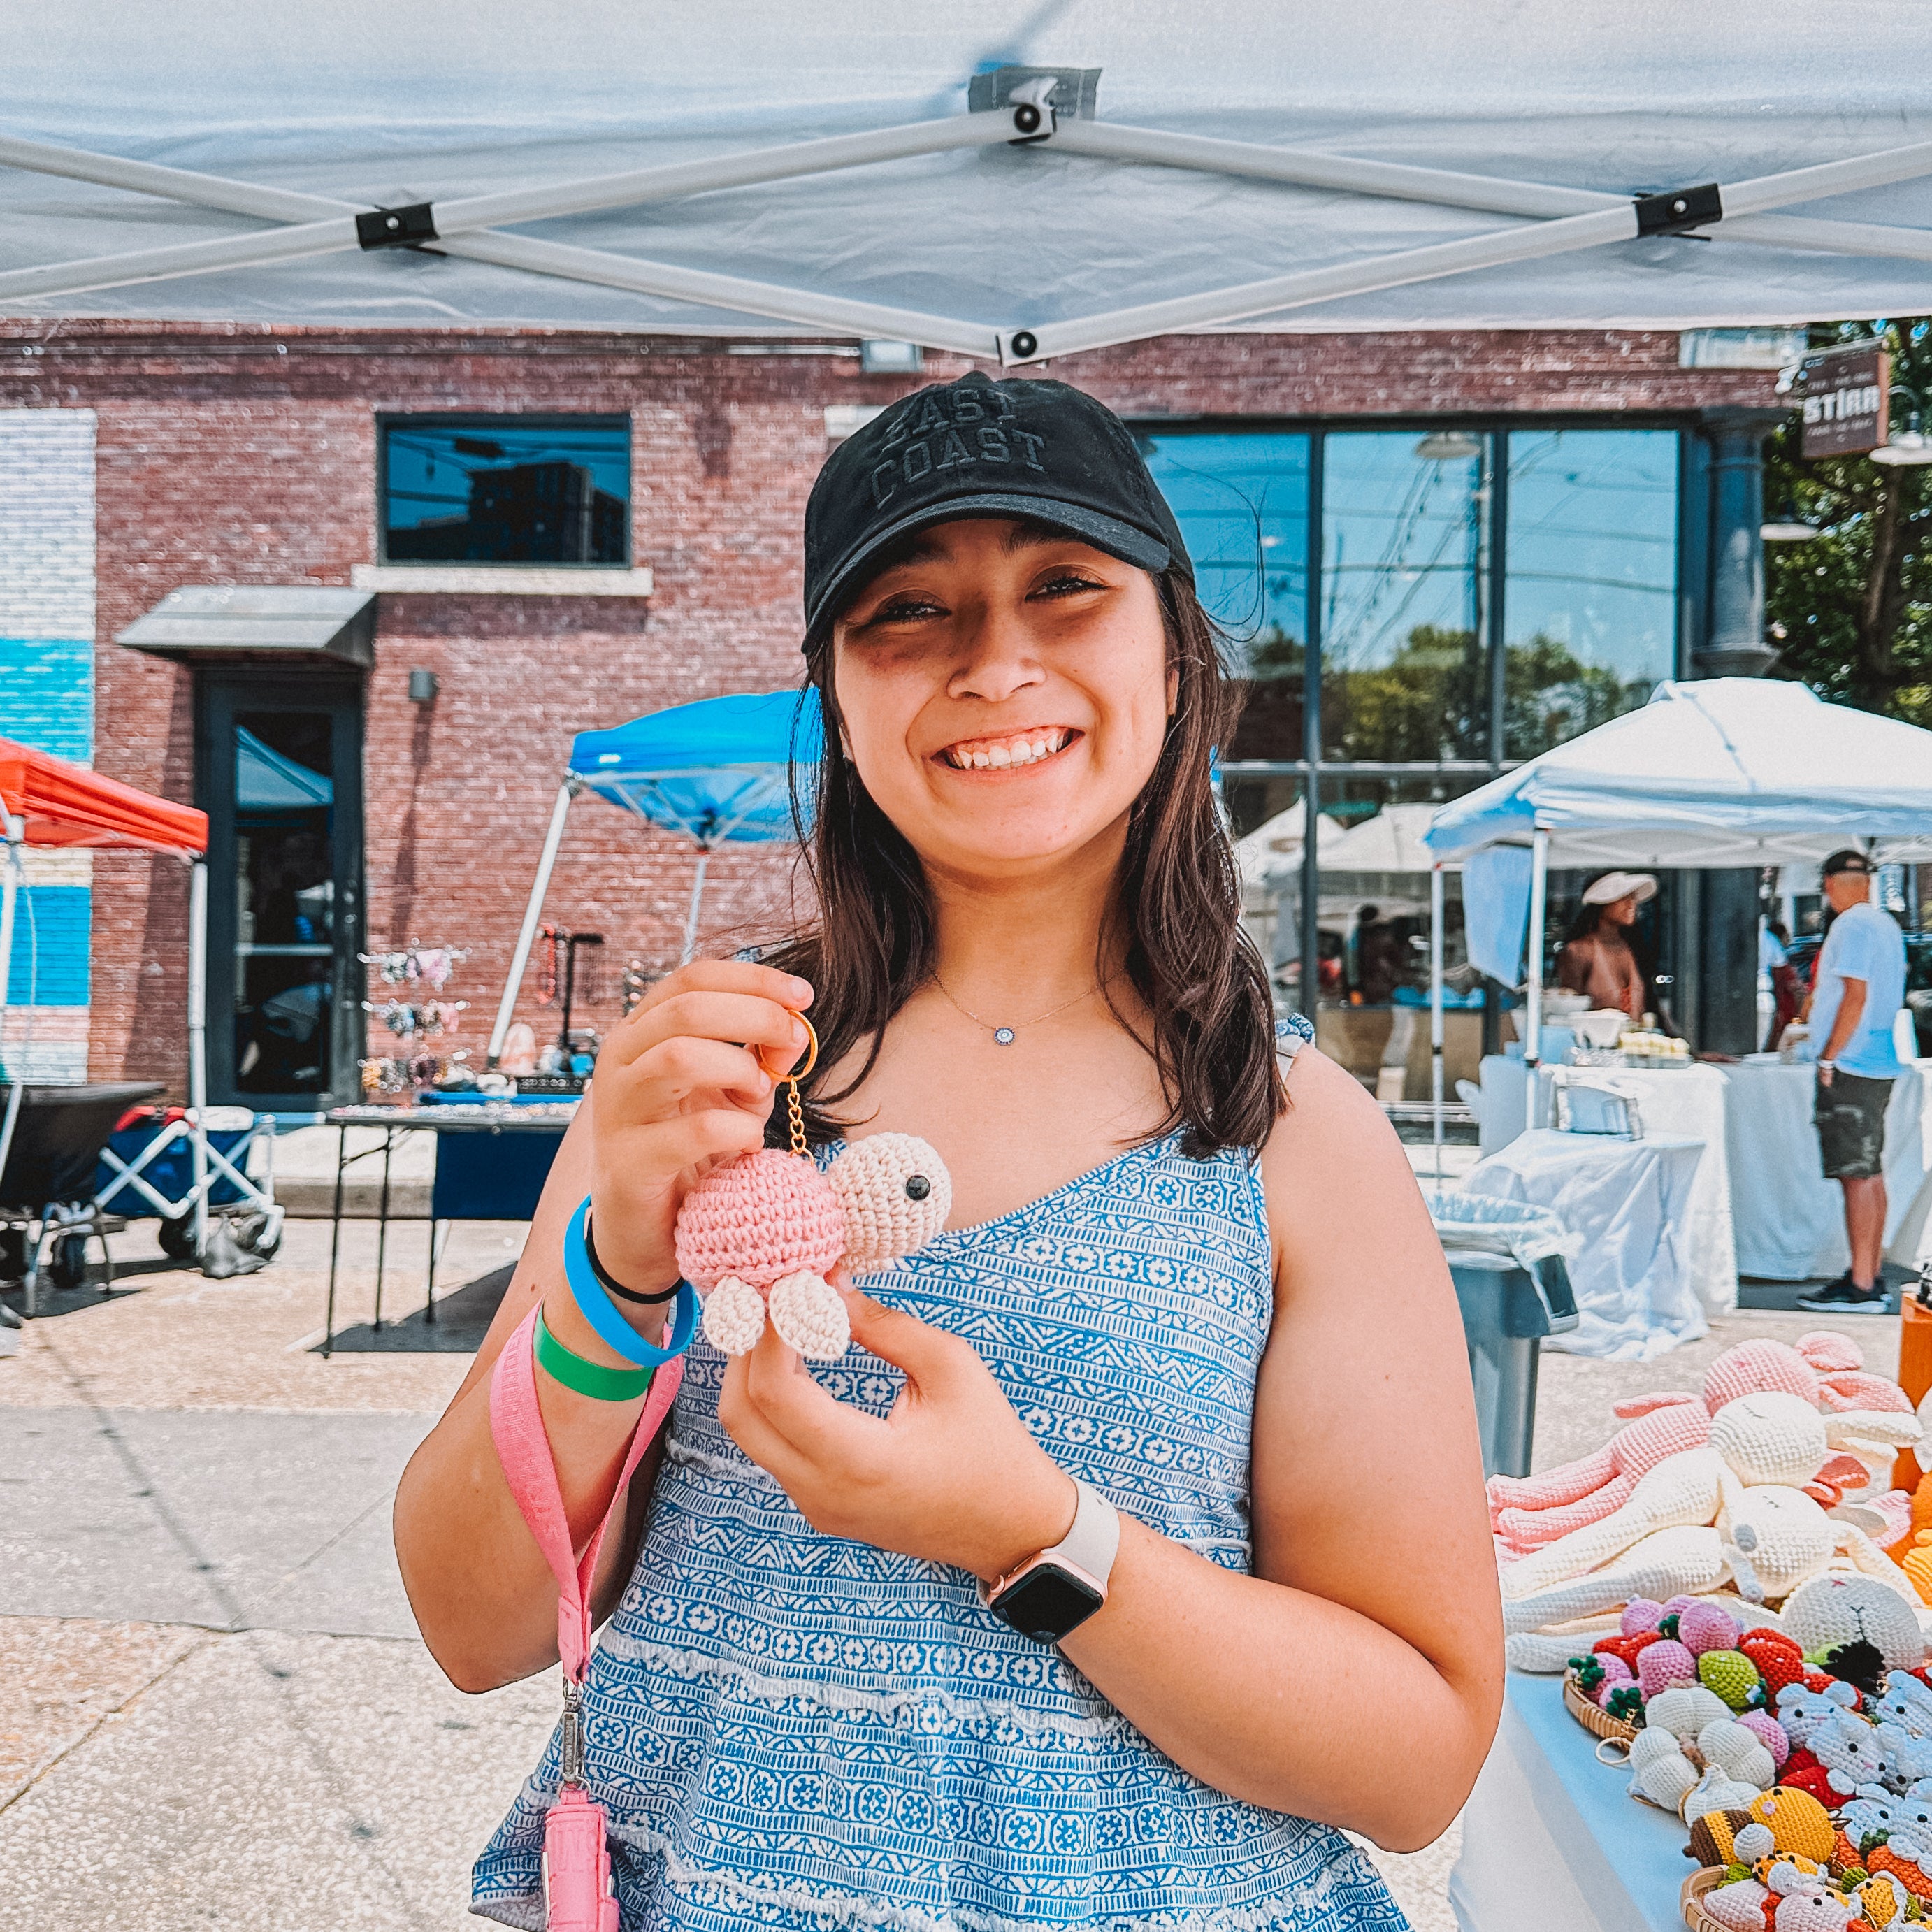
(68, 805)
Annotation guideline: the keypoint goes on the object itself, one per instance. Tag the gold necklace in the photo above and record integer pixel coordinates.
(1003, 1036)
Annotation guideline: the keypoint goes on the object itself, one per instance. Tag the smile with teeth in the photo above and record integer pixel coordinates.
(1007, 753)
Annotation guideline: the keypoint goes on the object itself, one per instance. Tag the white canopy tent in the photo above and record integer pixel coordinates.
(1380, 861)
(741, 169)
(1726, 771)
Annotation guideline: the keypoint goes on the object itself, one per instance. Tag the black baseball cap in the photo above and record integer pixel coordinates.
(1847, 860)
(976, 447)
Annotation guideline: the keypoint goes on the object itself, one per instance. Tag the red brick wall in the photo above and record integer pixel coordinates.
(247, 454)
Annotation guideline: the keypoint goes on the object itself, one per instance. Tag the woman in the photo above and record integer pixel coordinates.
(1598, 956)
(1215, 1303)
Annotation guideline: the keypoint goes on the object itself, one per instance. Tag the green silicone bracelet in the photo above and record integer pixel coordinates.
(590, 1378)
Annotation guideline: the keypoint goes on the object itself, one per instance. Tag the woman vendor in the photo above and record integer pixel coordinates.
(1597, 957)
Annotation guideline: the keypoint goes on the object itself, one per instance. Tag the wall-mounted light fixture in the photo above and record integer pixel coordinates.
(1787, 526)
(424, 685)
(1448, 445)
(880, 357)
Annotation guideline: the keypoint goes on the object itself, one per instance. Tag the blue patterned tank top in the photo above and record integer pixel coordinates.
(793, 1730)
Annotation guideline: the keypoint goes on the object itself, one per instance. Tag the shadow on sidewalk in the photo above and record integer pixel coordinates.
(462, 1320)
(1781, 1297)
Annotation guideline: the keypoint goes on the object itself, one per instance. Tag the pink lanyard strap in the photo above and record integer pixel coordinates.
(522, 1448)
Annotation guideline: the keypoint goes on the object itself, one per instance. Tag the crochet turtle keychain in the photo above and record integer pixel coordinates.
(762, 1233)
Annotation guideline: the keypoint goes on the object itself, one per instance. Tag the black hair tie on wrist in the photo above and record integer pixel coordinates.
(612, 1286)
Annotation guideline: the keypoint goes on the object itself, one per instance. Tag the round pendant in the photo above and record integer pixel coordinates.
(1003, 1036)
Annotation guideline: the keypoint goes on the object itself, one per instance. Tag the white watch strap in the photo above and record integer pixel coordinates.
(1092, 1542)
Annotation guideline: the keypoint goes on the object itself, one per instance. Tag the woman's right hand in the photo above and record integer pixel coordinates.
(686, 1082)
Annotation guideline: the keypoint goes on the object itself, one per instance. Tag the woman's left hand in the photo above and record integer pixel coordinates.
(951, 1474)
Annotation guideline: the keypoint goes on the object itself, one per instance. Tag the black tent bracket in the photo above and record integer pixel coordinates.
(1679, 209)
(397, 227)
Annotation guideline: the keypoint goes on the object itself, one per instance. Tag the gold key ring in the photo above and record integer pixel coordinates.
(793, 1108)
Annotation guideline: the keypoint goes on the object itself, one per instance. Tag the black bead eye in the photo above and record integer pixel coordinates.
(917, 1187)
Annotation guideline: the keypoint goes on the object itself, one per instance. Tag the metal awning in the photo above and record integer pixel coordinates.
(1377, 166)
(283, 623)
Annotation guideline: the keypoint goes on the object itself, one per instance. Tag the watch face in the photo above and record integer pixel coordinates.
(1047, 1603)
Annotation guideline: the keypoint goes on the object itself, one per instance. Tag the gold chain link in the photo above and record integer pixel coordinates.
(793, 1107)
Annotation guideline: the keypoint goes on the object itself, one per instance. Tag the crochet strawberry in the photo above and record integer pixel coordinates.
(1803, 1772)
(1730, 1673)
(1777, 1667)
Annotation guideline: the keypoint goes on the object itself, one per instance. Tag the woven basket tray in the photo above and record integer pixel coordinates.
(1598, 1723)
(1691, 1898)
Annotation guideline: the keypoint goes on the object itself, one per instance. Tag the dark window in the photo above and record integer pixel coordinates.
(529, 489)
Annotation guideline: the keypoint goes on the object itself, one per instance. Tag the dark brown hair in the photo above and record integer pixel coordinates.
(1177, 907)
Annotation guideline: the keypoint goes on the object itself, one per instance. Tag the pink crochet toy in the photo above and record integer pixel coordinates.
(1824, 1370)
(766, 1229)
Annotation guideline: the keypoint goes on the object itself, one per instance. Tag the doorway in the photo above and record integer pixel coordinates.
(278, 769)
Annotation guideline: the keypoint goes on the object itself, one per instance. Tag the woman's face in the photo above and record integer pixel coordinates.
(1622, 912)
(1004, 693)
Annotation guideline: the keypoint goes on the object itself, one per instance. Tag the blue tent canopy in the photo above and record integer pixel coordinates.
(716, 770)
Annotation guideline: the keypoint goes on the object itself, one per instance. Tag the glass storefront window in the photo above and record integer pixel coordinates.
(517, 489)
(1589, 606)
(1404, 541)
(1423, 530)
(1241, 501)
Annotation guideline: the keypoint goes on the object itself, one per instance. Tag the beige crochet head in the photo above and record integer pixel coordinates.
(896, 1194)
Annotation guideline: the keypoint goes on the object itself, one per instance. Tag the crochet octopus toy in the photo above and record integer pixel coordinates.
(763, 1232)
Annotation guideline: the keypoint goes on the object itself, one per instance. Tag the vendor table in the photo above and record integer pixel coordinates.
(492, 1159)
(1629, 1204)
(1695, 1100)
(1790, 1219)
(1552, 1837)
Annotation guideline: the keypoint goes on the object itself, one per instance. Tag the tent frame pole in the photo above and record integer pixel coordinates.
(1539, 887)
(197, 1043)
(1443, 188)
(16, 830)
(532, 912)
(1496, 248)
(323, 226)
(696, 899)
(1436, 1011)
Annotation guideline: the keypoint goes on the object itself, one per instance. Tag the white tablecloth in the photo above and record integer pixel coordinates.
(1693, 1101)
(1551, 1838)
(1629, 1202)
(1790, 1220)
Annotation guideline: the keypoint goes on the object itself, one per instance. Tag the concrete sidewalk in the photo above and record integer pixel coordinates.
(214, 1707)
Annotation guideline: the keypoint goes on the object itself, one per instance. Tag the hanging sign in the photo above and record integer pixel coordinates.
(1845, 393)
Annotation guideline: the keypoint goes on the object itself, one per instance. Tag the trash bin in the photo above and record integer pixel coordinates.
(1512, 1286)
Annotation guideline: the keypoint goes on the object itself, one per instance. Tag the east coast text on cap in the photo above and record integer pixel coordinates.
(976, 447)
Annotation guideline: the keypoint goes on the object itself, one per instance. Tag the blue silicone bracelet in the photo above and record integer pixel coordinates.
(601, 1312)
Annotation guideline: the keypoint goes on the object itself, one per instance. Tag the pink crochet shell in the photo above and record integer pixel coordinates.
(760, 1216)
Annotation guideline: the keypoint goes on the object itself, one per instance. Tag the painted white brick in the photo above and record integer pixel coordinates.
(58, 865)
(46, 523)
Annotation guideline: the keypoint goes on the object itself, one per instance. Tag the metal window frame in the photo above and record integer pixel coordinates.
(1684, 424)
(1494, 427)
(388, 419)
(1550, 221)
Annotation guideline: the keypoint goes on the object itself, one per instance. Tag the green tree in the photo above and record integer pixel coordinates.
(1432, 700)
(1549, 694)
(1851, 611)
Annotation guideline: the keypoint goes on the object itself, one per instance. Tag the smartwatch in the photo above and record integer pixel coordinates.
(1054, 1593)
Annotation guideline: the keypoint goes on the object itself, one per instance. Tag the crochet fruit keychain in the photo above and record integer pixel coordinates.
(763, 1232)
